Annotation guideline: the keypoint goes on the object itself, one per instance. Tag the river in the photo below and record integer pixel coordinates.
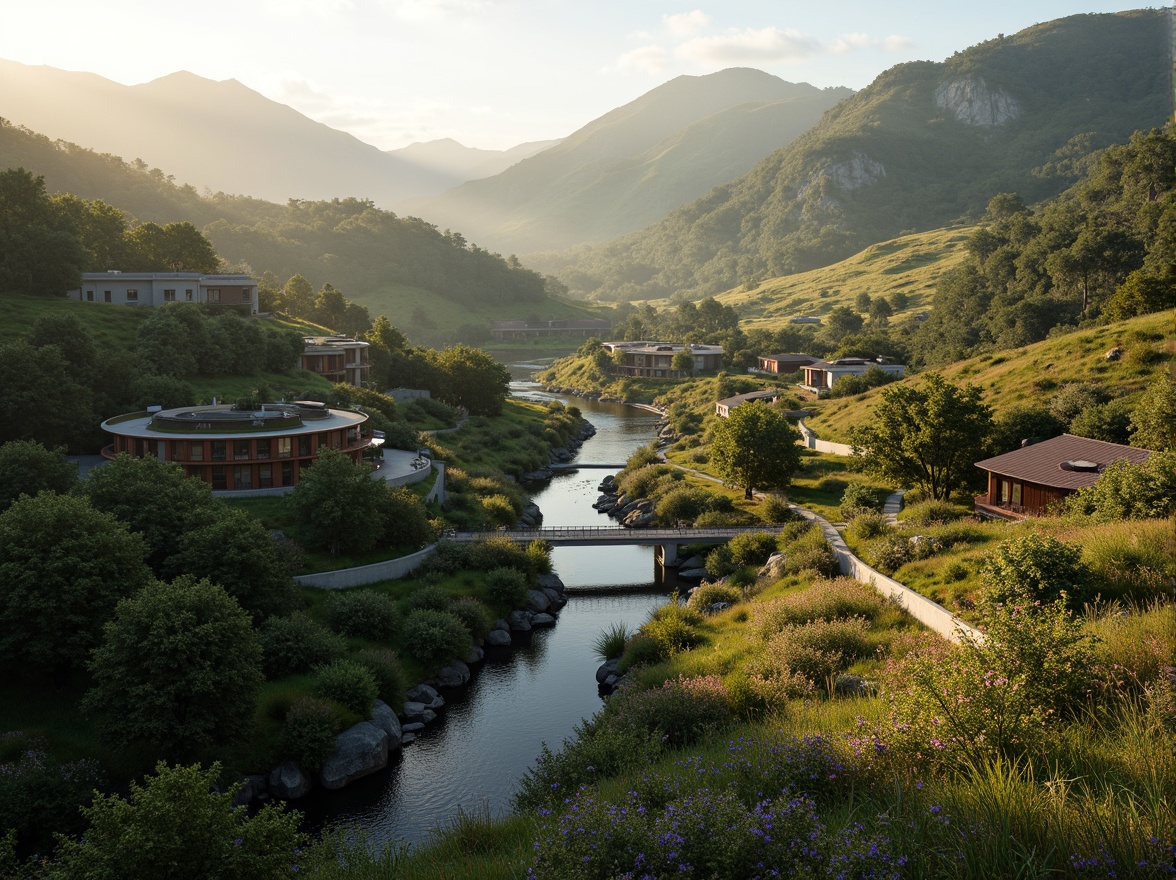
(492, 731)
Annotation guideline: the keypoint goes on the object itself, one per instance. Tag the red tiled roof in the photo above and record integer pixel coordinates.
(1041, 463)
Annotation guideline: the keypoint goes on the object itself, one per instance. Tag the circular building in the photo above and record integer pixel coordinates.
(232, 449)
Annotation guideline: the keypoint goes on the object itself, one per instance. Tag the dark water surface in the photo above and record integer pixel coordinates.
(492, 730)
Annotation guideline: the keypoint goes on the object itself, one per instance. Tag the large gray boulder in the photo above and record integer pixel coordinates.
(540, 621)
(549, 581)
(288, 782)
(537, 601)
(426, 695)
(359, 751)
(413, 711)
(498, 638)
(607, 668)
(555, 597)
(520, 621)
(252, 788)
(385, 719)
(454, 675)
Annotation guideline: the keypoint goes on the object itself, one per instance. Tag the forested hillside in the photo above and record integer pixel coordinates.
(349, 243)
(925, 144)
(631, 166)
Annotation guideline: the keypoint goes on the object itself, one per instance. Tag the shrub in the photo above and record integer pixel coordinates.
(384, 665)
(704, 596)
(499, 553)
(722, 519)
(610, 644)
(309, 732)
(955, 571)
(673, 627)
(449, 558)
(348, 683)
(682, 505)
(678, 713)
(867, 525)
(1032, 568)
(1130, 491)
(1130, 559)
(506, 587)
(752, 548)
(811, 552)
(363, 614)
(775, 509)
(297, 643)
(859, 495)
(826, 598)
(434, 637)
(815, 651)
(498, 510)
(539, 556)
(888, 554)
(640, 650)
(719, 562)
(932, 513)
(474, 616)
(432, 596)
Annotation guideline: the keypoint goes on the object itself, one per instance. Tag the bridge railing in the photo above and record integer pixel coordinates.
(652, 536)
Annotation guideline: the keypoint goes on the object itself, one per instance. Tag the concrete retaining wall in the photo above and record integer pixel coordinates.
(811, 441)
(438, 493)
(417, 476)
(931, 614)
(343, 578)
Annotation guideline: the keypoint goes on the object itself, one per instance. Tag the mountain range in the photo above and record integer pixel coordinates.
(628, 168)
(925, 145)
(225, 137)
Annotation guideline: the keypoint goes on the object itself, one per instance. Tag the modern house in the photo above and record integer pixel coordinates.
(337, 358)
(1026, 481)
(653, 359)
(820, 377)
(723, 407)
(577, 328)
(233, 449)
(783, 363)
(160, 288)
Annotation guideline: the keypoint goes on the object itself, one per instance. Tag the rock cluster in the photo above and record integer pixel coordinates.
(364, 748)
(633, 513)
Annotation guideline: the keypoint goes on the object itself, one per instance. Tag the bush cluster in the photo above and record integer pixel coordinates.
(294, 644)
(506, 588)
(678, 713)
(363, 614)
(435, 637)
(349, 683)
(384, 665)
(309, 732)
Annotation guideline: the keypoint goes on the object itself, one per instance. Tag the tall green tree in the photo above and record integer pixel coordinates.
(178, 670)
(330, 307)
(180, 824)
(927, 436)
(174, 247)
(64, 567)
(40, 250)
(27, 467)
(472, 379)
(297, 297)
(337, 505)
(755, 447)
(1153, 421)
(41, 400)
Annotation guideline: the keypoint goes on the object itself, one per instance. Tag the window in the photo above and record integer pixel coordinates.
(265, 478)
(287, 473)
(214, 294)
(242, 477)
(89, 296)
(132, 295)
(218, 450)
(263, 448)
(351, 436)
(284, 445)
(1016, 494)
(177, 450)
(188, 294)
(241, 450)
(219, 483)
(169, 296)
(304, 445)
(196, 450)
(106, 296)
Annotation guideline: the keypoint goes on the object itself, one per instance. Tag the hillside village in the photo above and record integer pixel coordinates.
(266, 495)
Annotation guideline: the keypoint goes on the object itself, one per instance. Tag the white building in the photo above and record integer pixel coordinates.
(820, 377)
(159, 288)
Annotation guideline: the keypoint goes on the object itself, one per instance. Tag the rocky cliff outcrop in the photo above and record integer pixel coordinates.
(972, 102)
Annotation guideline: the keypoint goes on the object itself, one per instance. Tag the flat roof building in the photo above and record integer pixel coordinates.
(337, 358)
(231, 449)
(653, 359)
(161, 288)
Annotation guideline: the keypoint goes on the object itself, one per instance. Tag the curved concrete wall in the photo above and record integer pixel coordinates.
(344, 578)
(811, 441)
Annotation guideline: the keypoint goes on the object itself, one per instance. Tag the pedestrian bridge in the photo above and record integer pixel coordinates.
(590, 536)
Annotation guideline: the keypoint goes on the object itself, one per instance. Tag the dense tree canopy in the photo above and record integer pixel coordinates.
(337, 505)
(472, 379)
(27, 467)
(64, 567)
(928, 435)
(755, 448)
(178, 669)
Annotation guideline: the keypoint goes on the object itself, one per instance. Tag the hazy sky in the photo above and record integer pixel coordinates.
(494, 73)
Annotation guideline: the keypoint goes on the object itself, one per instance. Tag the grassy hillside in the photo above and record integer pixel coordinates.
(925, 144)
(910, 264)
(1033, 373)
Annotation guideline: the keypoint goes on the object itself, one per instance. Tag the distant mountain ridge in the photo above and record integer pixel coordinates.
(925, 144)
(629, 167)
(223, 136)
(461, 163)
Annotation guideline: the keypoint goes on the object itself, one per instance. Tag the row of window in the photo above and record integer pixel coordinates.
(242, 476)
(169, 295)
(261, 448)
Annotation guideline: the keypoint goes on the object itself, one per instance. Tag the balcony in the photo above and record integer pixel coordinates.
(1012, 512)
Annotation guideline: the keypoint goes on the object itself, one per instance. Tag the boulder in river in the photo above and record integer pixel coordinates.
(288, 781)
(359, 750)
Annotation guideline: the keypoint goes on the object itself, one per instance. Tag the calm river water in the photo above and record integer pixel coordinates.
(492, 732)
